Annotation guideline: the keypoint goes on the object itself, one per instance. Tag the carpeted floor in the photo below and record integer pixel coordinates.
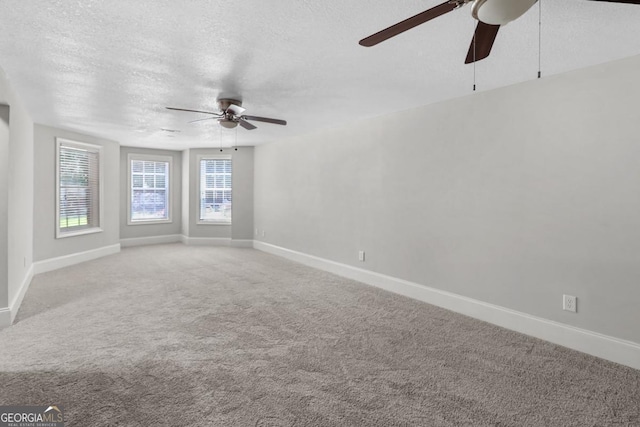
(174, 335)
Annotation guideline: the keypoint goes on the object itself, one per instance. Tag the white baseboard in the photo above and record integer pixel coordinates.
(17, 300)
(216, 241)
(8, 314)
(72, 259)
(5, 317)
(153, 240)
(593, 343)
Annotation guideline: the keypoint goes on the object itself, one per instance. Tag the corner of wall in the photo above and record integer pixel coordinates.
(5, 317)
(22, 291)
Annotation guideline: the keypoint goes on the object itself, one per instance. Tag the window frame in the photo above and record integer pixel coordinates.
(200, 158)
(64, 142)
(155, 158)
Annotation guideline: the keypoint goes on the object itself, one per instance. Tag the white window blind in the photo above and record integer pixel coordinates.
(149, 190)
(215, 190)
(78, 188)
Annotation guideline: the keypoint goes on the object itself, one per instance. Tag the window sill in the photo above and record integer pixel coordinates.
(149, 221)
(64, 234)
(212, 223)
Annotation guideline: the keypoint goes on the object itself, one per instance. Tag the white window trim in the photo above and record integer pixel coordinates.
(199, 158)
(84, 146)
(152, 157)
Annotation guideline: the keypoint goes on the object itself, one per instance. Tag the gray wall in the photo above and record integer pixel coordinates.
(4, 205)
(242, 193)
(513, 197)
(185, 200)
(242, 211)
(16, 189)
(46, 245)
(175, 177)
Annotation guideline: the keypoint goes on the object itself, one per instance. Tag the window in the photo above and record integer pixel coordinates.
(215, 190)
(149, 189)
(78, 189)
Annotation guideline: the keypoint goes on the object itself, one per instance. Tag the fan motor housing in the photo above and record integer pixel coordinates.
(228, 121)
(223, 104)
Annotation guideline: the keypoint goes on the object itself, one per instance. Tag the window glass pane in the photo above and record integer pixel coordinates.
(136, 181)
(150, 191)
(215, 190)
(136, 166)
(78, 187)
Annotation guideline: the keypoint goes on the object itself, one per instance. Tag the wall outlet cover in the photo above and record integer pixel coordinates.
(569, 303)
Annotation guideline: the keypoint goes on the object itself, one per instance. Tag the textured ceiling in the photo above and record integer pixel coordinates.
(108, 68)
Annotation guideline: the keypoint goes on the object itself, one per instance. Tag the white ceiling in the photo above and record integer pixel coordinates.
(109, 68)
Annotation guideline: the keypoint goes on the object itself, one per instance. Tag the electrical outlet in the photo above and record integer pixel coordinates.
(361, 256)
(264, 233)
(256, 231)
(569, 303)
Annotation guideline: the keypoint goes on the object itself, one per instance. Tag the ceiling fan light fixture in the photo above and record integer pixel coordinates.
(500, 12)
(228, 124)
(230, 116)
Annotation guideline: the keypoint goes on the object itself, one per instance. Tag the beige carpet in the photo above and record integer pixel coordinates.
(172, 335)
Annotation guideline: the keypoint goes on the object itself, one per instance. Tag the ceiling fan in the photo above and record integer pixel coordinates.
(490, 14)
(230, 115)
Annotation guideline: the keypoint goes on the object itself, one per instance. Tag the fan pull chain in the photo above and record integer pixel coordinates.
(220, 136)
(474, 59)
(474, 75)
(236, 144)
(539, 38)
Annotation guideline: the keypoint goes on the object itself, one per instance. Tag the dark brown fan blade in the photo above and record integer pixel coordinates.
(264, 119)
(482, 42)
(621, 1)
(408, 24)
(246, 125)
(193, 111)
(199, 120)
